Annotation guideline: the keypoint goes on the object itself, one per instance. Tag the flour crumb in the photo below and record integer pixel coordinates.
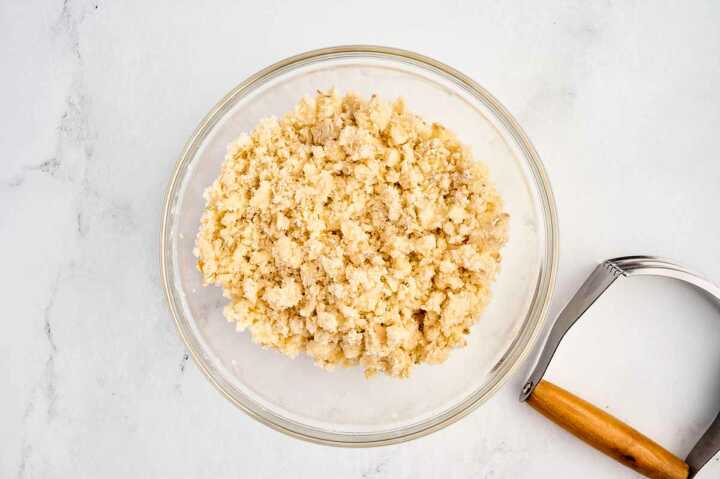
(355, 232)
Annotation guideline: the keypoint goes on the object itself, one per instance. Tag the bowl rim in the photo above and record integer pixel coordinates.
(543, 293)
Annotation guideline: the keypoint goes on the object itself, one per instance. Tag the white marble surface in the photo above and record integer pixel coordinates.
(620, 98)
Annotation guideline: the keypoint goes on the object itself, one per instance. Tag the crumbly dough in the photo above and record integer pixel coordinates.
(355, 232)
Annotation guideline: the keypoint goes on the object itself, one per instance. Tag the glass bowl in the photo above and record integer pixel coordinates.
(342, 407)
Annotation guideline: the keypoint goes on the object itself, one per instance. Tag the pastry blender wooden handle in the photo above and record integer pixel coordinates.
(596, 427)
(606, 433)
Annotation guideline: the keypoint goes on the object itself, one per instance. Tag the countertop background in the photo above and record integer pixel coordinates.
(620, 98)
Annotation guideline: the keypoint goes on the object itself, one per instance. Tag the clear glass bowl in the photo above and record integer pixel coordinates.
(342, 407)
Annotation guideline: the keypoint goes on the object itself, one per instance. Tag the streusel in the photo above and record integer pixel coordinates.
(355, 232)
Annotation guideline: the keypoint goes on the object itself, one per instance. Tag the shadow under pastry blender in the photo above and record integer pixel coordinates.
(594, 426)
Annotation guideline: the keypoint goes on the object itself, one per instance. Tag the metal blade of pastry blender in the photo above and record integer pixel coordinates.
(705, 449)
(601, 278)
(594, 286)
(709, 443)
